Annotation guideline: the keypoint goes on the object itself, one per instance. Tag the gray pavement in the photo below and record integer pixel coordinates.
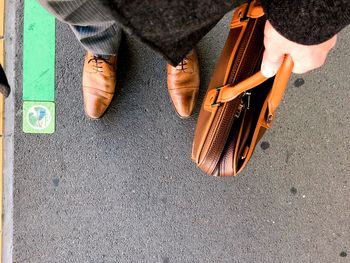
(123, 189)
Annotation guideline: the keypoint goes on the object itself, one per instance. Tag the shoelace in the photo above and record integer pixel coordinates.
(182, 65)
(98, 60)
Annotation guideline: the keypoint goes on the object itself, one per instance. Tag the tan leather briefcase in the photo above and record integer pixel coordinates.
(240, 102)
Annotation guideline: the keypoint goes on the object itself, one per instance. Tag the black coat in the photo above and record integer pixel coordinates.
(4, 86)
(173, 27)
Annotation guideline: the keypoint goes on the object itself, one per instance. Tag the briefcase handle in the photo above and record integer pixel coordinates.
(229, 92)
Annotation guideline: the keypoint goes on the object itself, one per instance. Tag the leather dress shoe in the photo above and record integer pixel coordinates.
(183, 84)
(99, 80)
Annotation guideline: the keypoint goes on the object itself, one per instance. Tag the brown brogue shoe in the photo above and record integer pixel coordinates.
(183, 84)
(99, 80)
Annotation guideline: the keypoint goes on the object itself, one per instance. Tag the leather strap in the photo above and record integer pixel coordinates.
(230, 92)
(279, 86)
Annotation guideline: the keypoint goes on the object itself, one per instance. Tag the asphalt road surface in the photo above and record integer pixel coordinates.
(124, 189)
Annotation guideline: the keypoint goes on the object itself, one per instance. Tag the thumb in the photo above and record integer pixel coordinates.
(272, 61)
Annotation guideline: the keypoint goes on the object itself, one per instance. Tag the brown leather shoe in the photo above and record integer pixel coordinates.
(183, 84)
(99, 79)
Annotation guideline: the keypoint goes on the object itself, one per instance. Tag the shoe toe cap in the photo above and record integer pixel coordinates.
(185, 102)
(95, 105)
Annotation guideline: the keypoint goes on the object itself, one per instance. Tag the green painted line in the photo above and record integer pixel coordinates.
(38, 53)
(38, 69)
(38, 117)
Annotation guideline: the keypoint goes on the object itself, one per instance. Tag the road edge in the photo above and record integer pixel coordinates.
(10, 60)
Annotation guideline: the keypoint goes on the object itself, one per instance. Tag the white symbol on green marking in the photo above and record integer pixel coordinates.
(39, 117)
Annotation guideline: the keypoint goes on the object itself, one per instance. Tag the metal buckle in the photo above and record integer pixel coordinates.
(269, 119)
(245, 15)
(215, 104)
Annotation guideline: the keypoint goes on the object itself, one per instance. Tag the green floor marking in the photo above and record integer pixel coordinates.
(39, 53)
(38, 63)
(38, 117)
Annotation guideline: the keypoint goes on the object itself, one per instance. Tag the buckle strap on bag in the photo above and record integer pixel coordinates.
(229, 92)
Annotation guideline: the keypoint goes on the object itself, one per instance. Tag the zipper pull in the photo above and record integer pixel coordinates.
(247, 94)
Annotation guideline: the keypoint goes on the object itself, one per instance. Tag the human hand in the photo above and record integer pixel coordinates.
(305, 58)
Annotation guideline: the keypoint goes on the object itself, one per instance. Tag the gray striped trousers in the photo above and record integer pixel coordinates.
(92, 23)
